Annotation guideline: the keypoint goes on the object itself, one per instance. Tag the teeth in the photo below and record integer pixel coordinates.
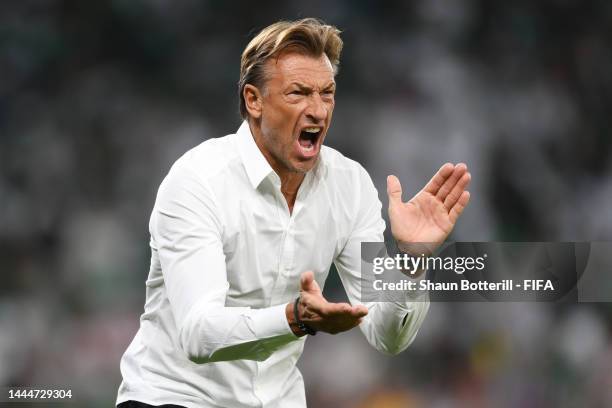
(312, 130)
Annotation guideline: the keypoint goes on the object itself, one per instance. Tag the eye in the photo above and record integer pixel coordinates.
(328, 94)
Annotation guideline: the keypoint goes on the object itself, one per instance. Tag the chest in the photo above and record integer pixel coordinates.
(267, 248)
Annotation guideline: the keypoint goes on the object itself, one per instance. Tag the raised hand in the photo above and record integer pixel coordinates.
(321, 315)
(431, 214)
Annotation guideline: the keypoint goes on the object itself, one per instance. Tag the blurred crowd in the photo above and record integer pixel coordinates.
(97, 99)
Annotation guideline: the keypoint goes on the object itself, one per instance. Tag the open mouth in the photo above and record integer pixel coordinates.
(309, 138)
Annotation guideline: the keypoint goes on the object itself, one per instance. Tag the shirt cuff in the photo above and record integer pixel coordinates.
(418, 295)
(270, 322)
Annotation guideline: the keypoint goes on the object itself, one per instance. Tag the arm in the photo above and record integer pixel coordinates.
(187, 230)
(389, 326)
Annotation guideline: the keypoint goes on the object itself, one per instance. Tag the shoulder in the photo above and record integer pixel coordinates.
(189, 186)
(352, 196)
(340, 168)
(208, 159)
(197, 172)
(348, 185)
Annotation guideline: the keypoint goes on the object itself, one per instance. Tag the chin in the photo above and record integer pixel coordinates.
(300, 169)
(306, 166)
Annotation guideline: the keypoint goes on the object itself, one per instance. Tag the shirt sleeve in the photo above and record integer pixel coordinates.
(389, 327)
(187, 232)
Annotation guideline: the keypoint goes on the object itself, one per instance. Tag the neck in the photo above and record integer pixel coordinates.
(290, 183)
(290, 180)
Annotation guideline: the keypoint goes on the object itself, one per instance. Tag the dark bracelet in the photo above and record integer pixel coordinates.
(302, 326)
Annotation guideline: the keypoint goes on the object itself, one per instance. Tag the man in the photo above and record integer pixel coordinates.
(245, 228)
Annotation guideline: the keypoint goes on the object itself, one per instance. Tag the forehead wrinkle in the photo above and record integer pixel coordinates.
(292, 70)
(304, 85)
(308, 80)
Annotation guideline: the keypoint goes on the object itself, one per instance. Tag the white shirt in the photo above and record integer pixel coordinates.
(226, 259)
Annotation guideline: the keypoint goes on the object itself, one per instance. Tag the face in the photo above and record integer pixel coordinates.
(293, 110)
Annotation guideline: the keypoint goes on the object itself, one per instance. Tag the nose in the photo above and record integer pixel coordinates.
(317, 109)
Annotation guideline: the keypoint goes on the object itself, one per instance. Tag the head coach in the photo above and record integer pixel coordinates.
(245, 228)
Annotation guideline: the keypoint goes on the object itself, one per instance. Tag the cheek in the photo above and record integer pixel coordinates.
(281, 115)
(272, 124)
(330, 108)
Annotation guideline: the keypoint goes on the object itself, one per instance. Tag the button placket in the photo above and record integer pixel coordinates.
(285, 264)
(280, 280)
(289, 247)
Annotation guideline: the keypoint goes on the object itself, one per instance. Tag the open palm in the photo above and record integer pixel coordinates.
(430, 215)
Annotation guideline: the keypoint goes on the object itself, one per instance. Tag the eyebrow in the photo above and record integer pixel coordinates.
(303, 87)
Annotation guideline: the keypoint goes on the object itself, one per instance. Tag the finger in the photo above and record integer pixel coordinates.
(307, 282)
(335, 309)
(313, 303)
(394, 190)
(459, 206)
(355, 312)
(359, 311)
(439, 178)
(450, 182)
(456, 192)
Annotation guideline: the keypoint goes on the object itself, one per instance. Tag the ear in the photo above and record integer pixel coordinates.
(252, 100)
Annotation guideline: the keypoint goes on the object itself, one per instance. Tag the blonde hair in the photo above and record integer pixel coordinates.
(309, 36)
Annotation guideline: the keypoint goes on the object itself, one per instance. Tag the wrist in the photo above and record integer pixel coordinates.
(412, 250)
(293, 324)
(415, 248)
(296, 316)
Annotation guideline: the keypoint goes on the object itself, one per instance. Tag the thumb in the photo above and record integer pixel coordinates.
(394, 190)
(307, 282)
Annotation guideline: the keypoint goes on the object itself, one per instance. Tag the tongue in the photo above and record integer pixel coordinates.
(305, 142)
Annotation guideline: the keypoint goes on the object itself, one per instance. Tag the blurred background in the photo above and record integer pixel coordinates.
(97, 99)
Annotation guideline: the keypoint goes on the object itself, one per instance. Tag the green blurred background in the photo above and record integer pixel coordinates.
(97, 99)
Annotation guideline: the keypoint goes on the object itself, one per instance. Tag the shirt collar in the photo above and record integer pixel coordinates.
(255, 163)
